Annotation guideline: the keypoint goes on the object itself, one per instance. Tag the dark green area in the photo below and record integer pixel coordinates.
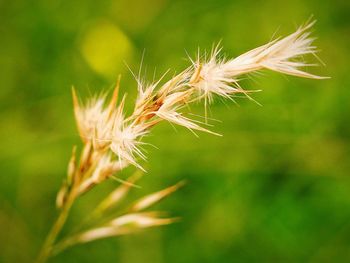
(274, 188)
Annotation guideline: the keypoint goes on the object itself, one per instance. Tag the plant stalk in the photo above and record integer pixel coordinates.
(56, 229)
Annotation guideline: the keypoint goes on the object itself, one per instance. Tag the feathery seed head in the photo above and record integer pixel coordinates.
(94, 121)
(169, 111)
(220, 77)
(282, 55)
(213, 80)
(105, 130)
(144, 97)
(126, 143)
(125, 138)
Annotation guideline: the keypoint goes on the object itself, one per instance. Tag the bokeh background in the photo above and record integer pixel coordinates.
(274, 188)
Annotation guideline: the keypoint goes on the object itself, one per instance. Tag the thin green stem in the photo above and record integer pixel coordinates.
(46, 249)
(60, 246)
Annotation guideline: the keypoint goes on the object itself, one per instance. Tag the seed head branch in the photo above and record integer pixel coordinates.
(108, 128)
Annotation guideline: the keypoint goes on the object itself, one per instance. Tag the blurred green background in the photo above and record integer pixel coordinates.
(275, 188)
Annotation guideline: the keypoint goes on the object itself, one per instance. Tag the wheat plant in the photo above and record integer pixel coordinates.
(112, 141)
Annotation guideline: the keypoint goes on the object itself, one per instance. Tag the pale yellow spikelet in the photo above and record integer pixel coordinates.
(61, 195)
(169, 111)
(210, 78)
(125, 138)
(283, 55)
(220, 76)
(118, 194)
(126, 142)
(154, 198)
(122, 225)
(72, 166)
(94, 121)
(175, 84)
(71, 171)
(97, 233)
(141, 220)
(85, 156)
(145, 96)
(105, 166)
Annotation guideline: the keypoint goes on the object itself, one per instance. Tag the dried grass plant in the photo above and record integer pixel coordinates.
(113, 141)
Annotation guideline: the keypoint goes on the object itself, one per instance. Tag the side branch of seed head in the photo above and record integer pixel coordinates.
(106, 127)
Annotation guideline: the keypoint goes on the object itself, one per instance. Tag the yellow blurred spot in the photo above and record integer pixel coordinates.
(105, 47)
